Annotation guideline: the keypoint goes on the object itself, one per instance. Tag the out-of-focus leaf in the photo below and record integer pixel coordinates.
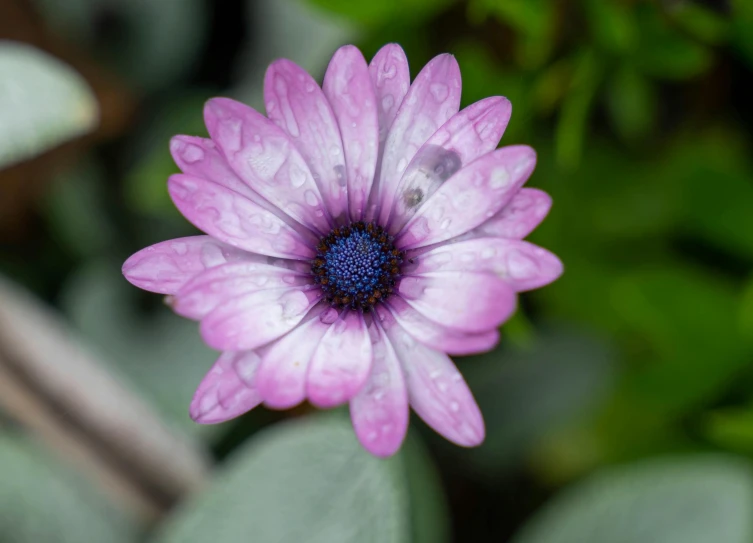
(571, 126)
(551, 85)
(429, 513)
(631, 103)
(146, 182)
(612, 25)
(666, 53)
(163, 354)
(700, 22)
(533, 19)
(673, 500)
(689, 319)
(151, 42)
(307, 480)
(746, 312)
(74, 208)
(377, 13)
(42, 501)
(720, 213)
(43, 103)
(730, 428)
(526, 393)
(741, 22)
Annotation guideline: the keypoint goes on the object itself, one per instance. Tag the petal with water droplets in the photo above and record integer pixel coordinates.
(470, 302)
(380, 410)
(165, 267)
(228, 390)
(347, 86)
(282, 375)
(297, 104)
(265, 157)
(254, 319)
(341, 363)
(469, 197)
(234, 219)
(438, 392)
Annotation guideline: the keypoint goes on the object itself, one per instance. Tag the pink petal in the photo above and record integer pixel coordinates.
(206, 291)
(282, 375)
(469, 134)
(470, 197)
(470, 302)
(297, 104)
(264, 156)
(438, 392)
(228, 390)
(234, 219)
(380, 410)
(391, 79)
(341, 363)
(523, 265)
(252, 320)
(518, 218)
(167, 266)
(347, 86)
(436, 335)
(433, 98)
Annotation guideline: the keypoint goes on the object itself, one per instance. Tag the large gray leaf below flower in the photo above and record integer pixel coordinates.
(675, 500)
(43, 502)
(43, 103)
(306, 481)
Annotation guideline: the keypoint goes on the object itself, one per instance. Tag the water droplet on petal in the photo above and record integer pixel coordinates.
(329, 316)
(311, 198)
(439, 91)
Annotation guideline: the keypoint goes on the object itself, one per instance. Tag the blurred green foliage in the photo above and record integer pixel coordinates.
(640, 114)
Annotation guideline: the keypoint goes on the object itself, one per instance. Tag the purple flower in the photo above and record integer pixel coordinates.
(357, 235)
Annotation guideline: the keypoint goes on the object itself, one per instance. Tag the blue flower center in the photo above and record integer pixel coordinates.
(357, 266)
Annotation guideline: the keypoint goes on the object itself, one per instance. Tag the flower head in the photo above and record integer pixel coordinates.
(356, 236)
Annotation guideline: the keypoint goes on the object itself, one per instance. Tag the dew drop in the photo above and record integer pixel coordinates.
(311, 198)
(309, 87)
(329, 316)
(454, 407)
(445, 224)
(192, 153)
(297, 177)
(439, 91)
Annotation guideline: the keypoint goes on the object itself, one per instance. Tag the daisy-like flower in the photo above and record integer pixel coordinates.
(356, 236)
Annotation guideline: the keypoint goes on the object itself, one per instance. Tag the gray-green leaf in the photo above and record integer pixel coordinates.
(681, 500)
(43, 502)
(307, 481)
(43, 103)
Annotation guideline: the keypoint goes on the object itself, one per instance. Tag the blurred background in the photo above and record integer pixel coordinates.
(619, 405)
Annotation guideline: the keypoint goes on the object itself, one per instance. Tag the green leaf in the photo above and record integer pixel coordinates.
(688, 320)
(730, 428)
(741, 23)
(572, 123)
(525, 394)
(378, 13)
(43, 501)
(631, 103)
(43, 103)
(612, 25)
(673, 500)
(700, 22)
(307, 480)
(665, 53)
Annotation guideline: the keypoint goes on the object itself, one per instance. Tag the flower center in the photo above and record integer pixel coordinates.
(357, 266)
